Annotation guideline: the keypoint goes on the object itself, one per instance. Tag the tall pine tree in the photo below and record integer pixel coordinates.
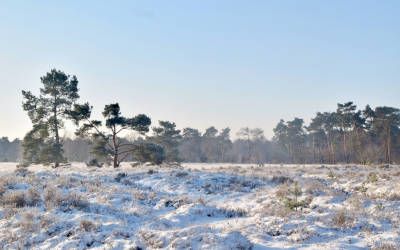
(47, 113)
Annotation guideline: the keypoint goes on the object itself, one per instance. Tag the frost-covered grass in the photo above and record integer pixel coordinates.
(200, 206)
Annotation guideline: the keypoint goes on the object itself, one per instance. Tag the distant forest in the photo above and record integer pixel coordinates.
(347, 135)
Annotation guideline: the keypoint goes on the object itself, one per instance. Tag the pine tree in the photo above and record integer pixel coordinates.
(386, 125)
(190, 146)
(47, 113)
(209, 145)
(169, 138)
(345, 114)
(145, 151)
(224, 143)
(107, 142)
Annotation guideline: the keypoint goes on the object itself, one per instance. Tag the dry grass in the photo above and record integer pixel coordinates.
(201, 201)
(67, 182)
(33, 197)
(22, 172)
(93, 186)
(9, 212)
(282, 191)
(3, 188)
(281, 179)
(7, 181)
(355, 202)
(181, 174)
(394, 196)
(139, 195)
(385, 246)
(21, 198)
(67, 192)
(14, 199)
(87, 226)
(372, 177)
(28, 221)
(52, 197)
(46, 221)
(314, 187)
(74, 200)
(343, 219)
(231, 212)
(274, 209)
(152, 240)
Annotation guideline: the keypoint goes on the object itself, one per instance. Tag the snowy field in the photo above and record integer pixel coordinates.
(200, 206)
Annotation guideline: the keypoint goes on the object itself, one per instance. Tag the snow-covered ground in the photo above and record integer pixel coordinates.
(200, 206)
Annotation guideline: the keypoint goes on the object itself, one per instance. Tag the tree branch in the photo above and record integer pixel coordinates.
(98, 131)
(123, 158)
(121, 129)
(127, 151)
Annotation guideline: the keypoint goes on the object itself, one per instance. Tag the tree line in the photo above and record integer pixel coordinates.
(345, 135)
(187, 145)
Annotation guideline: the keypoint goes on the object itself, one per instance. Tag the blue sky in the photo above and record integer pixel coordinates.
(203, 63)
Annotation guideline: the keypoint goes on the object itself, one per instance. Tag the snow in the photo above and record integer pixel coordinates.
(199, 206)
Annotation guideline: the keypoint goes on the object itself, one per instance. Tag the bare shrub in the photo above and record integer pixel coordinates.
(46, 221)
(275, 209)
(14, 199)
(151, 171)
(11, 236)
(181, 174)
(282, 191)
(67, 182)
(33, 197)
(314, 187)
(120, 176)
(386, 177)
(135, 164)
(74, 200)
(152, 240)
(331, 174)
(3, 188)
(52, 197)
(385, 246)
(394, 196)
(9, 212)
(355, 202)
(87, 225)
(139, 195)
(234, 212)
(177, 202)
(23, 172)
(343, 219)
(152, 195)
(8, 181)
(281, 179)
(94, 163)
(21, 198)
(28, 222)
(201, 201)
(93, 186)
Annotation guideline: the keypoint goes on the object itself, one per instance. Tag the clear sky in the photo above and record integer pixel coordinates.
(202, 63)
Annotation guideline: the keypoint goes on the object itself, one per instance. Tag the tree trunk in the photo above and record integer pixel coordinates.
(345, 146)
(57, 136)
(115, 155)
(313, 147)
(388, 145)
